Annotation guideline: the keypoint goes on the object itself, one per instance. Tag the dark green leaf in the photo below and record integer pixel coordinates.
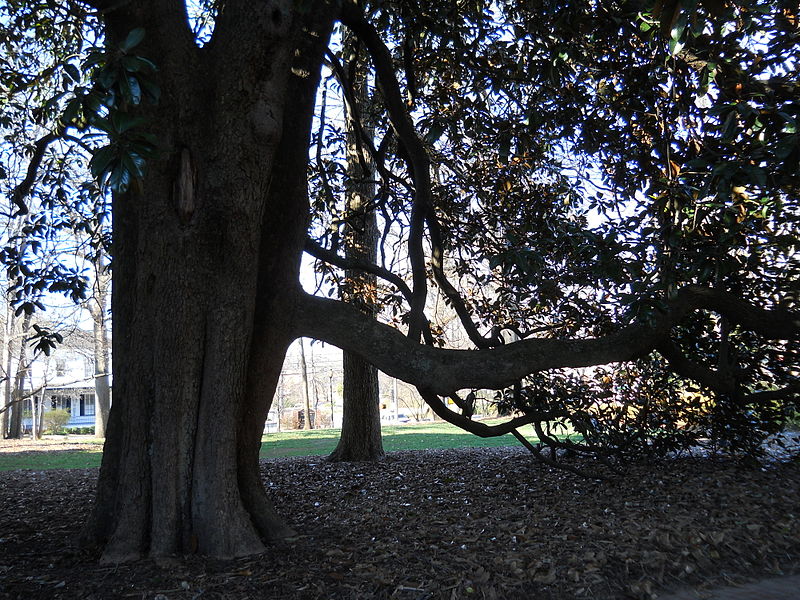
(72, 111)
(120, 179)
(123, 122)
(136, 64)
(435, 132)
(101, 160)
(133, 39)
(131, 90)
(73, 72)
(107, 77)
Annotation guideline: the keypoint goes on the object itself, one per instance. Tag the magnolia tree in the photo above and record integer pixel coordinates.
(590, 185)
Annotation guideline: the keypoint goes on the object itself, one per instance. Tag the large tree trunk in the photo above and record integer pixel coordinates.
(361, 424)
(206, 259)
(361, 419)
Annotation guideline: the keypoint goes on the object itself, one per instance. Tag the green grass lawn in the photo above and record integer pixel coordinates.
(52, 459)
(417, 436)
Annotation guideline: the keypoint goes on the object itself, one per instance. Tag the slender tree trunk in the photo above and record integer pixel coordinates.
(395, 399)
(102, 365)
(18, 393)
(361, 421)
(280, 402)
(314, 387)
(42, 406)
(6, 360)
(304, 388)
(35, 434)
(206, 260)
(330, 398)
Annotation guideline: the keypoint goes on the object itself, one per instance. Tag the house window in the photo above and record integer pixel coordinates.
(88, 367)
(61, 367)
(87, 405)
(61, 402)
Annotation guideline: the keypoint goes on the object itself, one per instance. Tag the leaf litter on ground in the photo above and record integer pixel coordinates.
(467, 523)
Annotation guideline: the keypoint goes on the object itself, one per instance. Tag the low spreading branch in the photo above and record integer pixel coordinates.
(552, 462)
(444, 371)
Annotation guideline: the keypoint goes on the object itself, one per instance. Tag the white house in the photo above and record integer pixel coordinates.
(66, 379)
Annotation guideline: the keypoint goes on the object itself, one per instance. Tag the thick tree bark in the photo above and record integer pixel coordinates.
(361, 419)
(361, 428)
(206, 249)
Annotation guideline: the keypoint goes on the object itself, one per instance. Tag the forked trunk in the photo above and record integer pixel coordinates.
(206, 259)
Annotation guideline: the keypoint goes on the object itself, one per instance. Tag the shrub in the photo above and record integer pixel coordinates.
(55, 420)
(82, 430)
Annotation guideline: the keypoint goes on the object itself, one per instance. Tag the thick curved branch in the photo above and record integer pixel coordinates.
(419, 162)
(719, 382)
(685, 367)
(790, 391)
(443, 372)
(482, 429)
(22, 191)
(776, 324)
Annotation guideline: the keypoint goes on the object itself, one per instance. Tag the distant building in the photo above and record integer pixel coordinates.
(65, 379)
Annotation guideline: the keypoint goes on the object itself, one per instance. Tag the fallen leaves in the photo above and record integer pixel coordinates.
(482, 523)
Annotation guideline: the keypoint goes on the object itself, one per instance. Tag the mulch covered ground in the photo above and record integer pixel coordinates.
(482, 523)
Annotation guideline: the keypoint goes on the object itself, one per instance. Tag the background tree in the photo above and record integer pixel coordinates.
(307, 418)
(506, 130)
(361, 419)
(98, 308)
